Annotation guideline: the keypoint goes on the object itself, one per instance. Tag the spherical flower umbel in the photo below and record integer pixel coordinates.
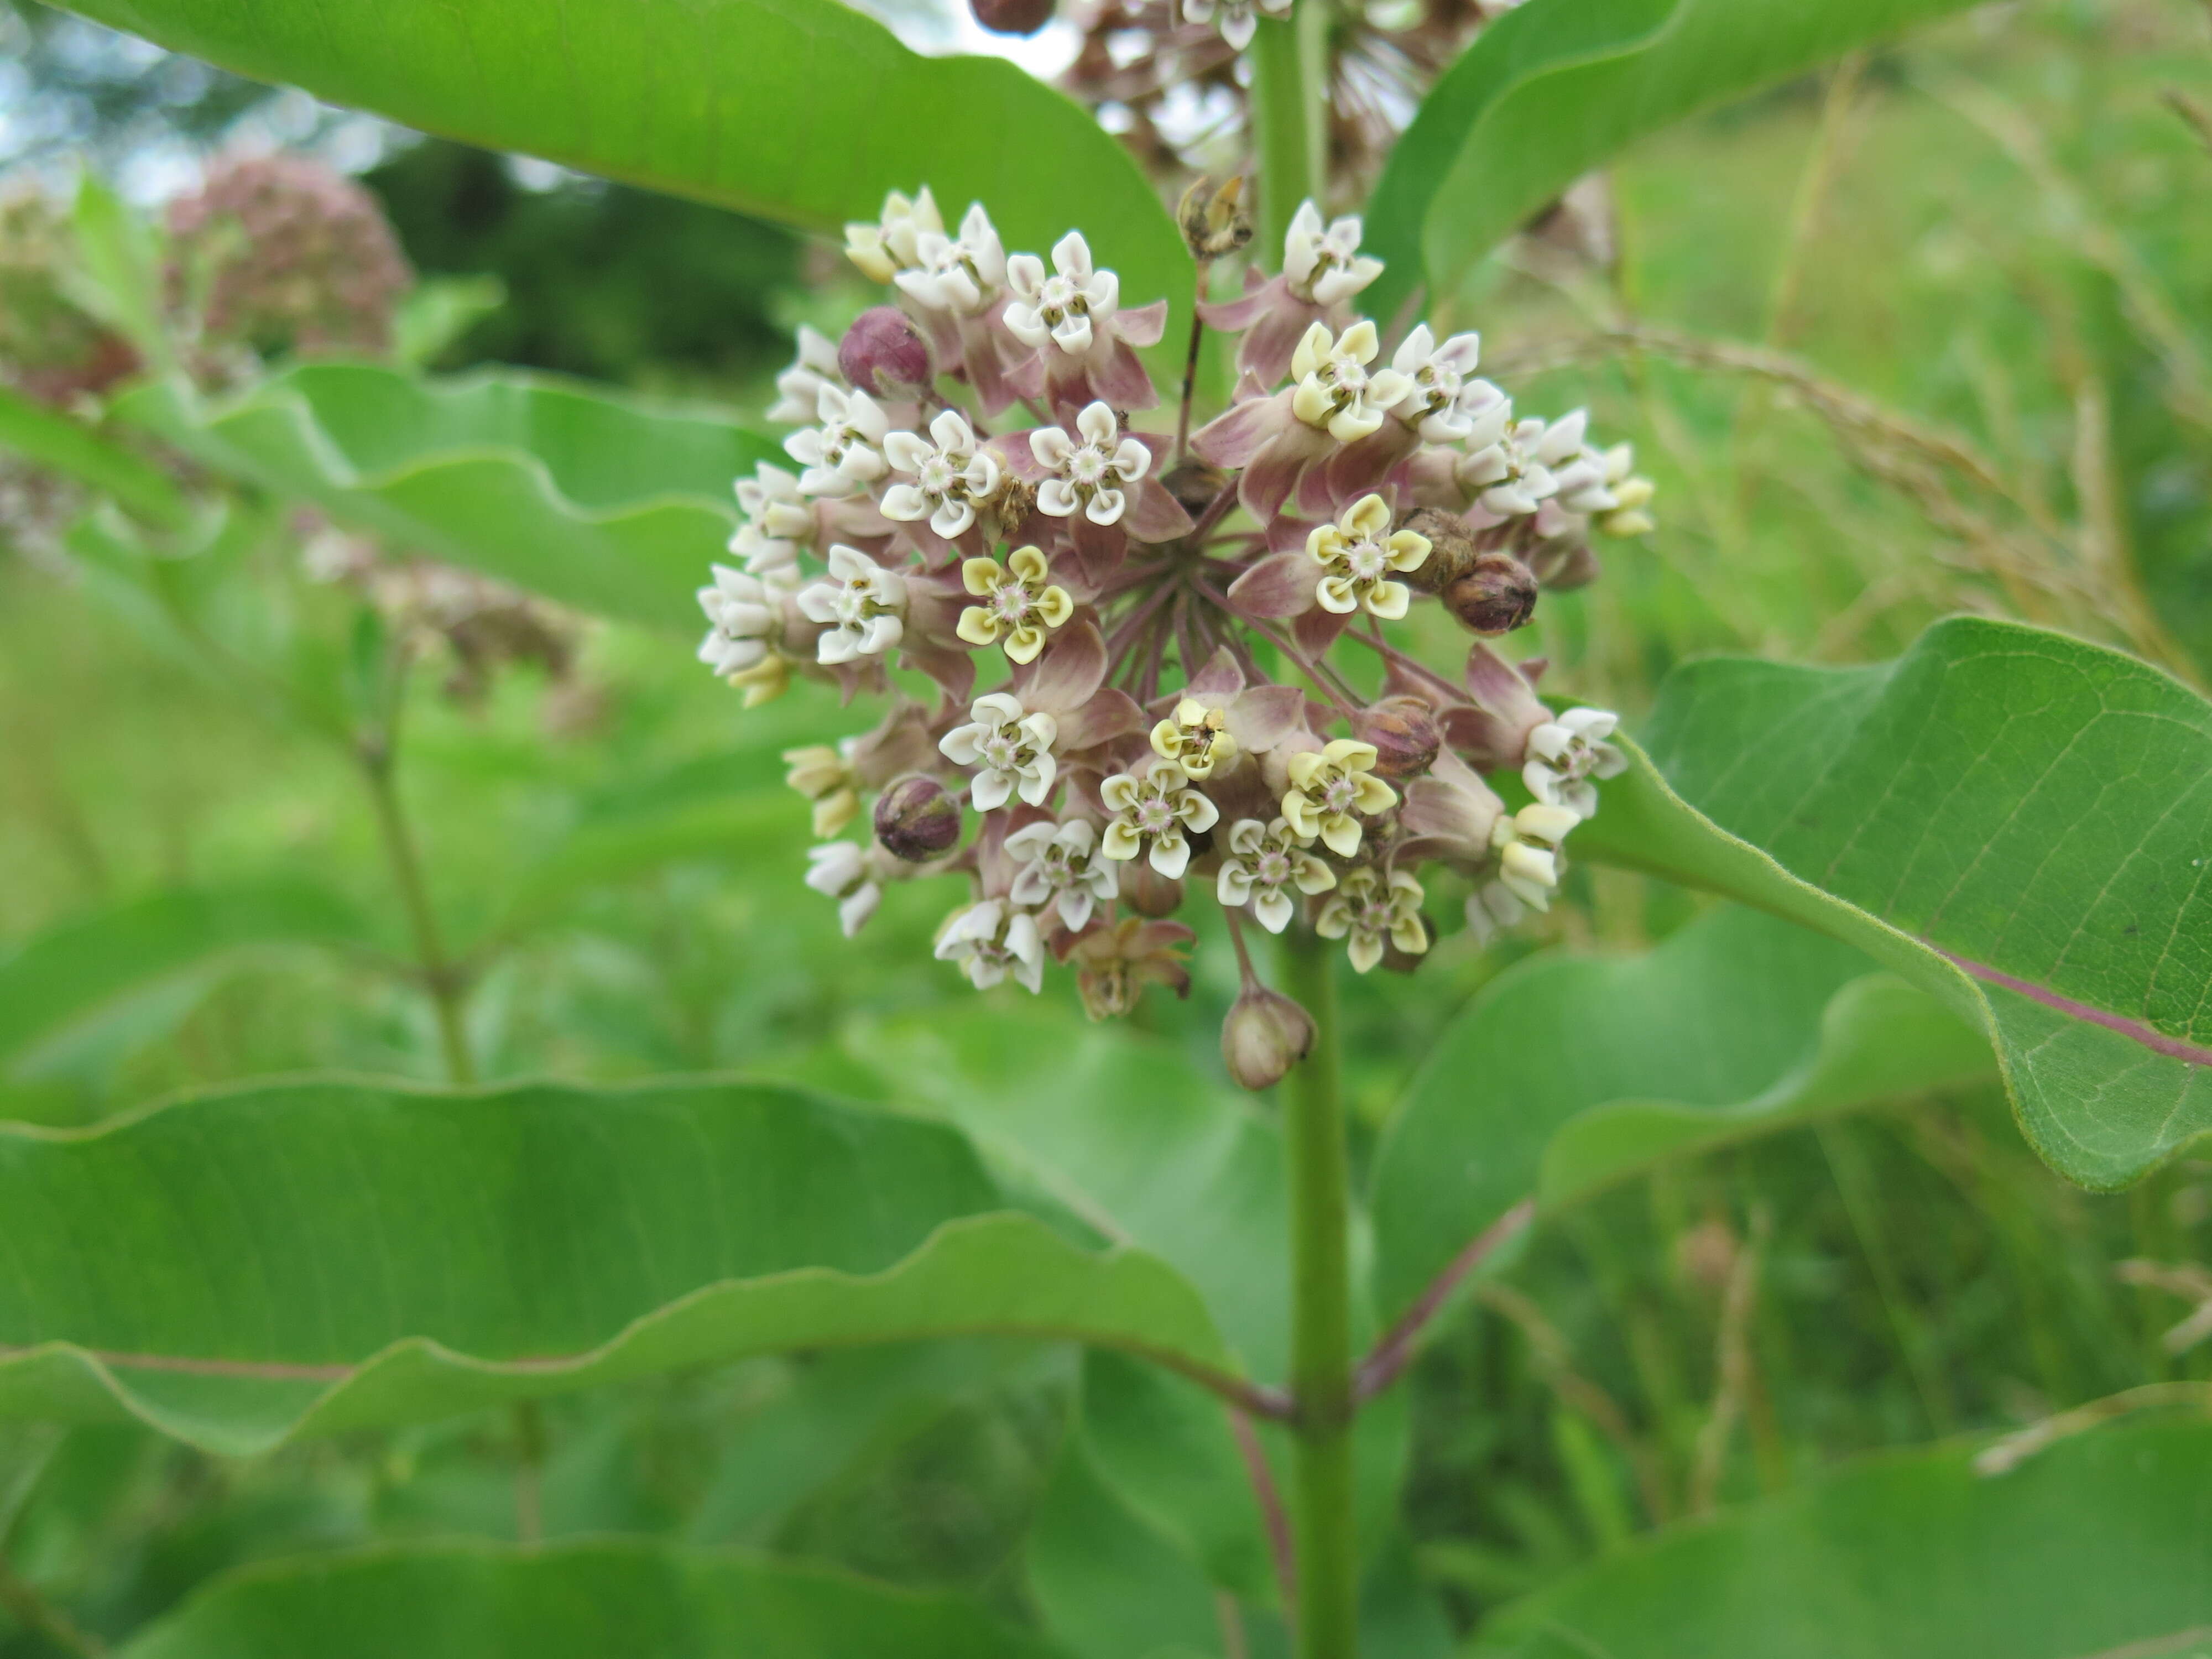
(1010, 748)
(1061, 868)
(1019, 604)
(1264, 861)
(1356, 555)
(1151, 809)
(1369, 911)
(1331, 790)
(1064, 308)
(991, 940)
(862, 604)
(1565, 754)
(951, 476)
(1089, 476)
(1335, 389)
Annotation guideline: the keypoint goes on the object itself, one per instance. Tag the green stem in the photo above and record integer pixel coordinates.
(1290, 135)
(1321, 1319)
(440, 977)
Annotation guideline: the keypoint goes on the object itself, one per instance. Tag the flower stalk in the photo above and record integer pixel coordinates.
(1288, 101)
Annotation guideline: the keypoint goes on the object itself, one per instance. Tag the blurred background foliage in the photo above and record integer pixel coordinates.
(1925, 333)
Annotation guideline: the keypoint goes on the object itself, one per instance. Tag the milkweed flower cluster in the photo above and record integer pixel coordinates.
(1138, 644)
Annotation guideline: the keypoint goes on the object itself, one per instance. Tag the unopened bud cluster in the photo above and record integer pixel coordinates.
(1142, 699)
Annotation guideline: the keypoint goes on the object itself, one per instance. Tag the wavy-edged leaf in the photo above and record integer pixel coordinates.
(1568, 1071)
(801, 111)
(89, 969)
(582, 1600)
(2016, 822)
(2093, 1549)
(1558, 86)
(600, 502)
(53, 440)
(240, 1267)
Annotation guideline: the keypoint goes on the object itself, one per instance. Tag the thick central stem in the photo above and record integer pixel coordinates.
(1321, 1316)
(1290, 111)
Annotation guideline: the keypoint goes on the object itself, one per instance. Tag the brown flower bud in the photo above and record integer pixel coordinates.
(1405, 736)
(1451, 548)
(1195, 484)
(1148, 892)
(1012, 17)
(883, 357)
(1213, 221)
(1265, 1034)
(1495, 597)
(916, 819)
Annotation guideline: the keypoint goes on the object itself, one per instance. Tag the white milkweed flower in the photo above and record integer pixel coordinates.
(743, 616)
(884, 250)
(799, 388)
(1357, 555)
(1264, 860)
(1061, 867)
(1443, 399)
(863, 605)
(1092, 476)
(1631, 494)
(1491, 908)
(1010, 748)
(1566, 753)
(1064, 307)
(1335, 389)
(1021, 603)
(1328, 787)
(843, 456)
(840, 870)
(1528, 846)
(1369, 910)
(778, 521)
(1515, 474)
(951, 475)
(1326, 266)
(1234, 18)
(992, 939)
(1155, 806)
(961, 274)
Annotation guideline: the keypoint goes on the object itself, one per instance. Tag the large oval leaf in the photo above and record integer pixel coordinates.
(470, 1600)
(2095, 1547)
(1558, 86)
(597, 501)
(2017, 822)
(801, 111)
(302, 1257)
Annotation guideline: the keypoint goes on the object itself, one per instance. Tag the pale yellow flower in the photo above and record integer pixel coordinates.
(1328, 788)
(1020, 604)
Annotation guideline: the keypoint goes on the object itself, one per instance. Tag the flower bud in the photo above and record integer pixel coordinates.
(1451, 548)
(1012, 17)
(1265, 1034)
(1148, 892)
(1195, 485)
(882, 356)
(916, 819)
(1405, 739)
(1213, 221)
(1495, 597)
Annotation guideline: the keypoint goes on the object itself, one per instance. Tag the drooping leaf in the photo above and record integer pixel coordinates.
(296, 1258)
(56, 984)
(1569, 1072)
(583, 1601)
(801, 111)
(1559, 86)
(594, 500)
(2094, 1546)
(2016, 822)
(53, 440)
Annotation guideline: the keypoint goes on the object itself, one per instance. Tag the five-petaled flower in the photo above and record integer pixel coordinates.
(1443, 399)
(1010, 748)
(1328, 787)
(862, 604)
(1061, 867)
(1154, 808)
(1528, 846)
(1336, 391)
(842, 870)
(992, 939)
(884, 250)
(1565, 754)
(1371, 911)
(960, 274)
(843, 456)
(1264, 860)
(1020, 602)
(744, 615)
(1065, 307)
(825, 776)
(1513, 475)
(1091, 476)
(799, 388)
(951, 475)
(1196, 737)
(779, 521)
(1326, 266)
(1357, 555)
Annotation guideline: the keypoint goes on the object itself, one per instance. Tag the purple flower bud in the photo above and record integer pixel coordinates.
(1405, 736)
(1495, 597)
(883, 357)
(916, 819)
(1012, 17)
(1265, 1034)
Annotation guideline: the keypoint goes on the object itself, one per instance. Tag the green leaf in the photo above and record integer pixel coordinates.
(2094, 1546)
(1569, 1072)
(800, 111)
(306, 1257)
(92, 968)
(585, 1600)
(601, 502)
(2016, 822)
(1559, 86)
(52, 440)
